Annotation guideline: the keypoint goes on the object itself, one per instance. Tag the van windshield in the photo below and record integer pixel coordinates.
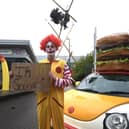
(106, 83)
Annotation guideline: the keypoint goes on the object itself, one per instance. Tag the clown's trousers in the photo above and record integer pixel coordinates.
(50, 111)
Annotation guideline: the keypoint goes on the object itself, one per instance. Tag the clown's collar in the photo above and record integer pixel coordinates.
(54, 60)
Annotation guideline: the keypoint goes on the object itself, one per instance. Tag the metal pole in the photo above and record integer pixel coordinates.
(95, 37)
(69, 62)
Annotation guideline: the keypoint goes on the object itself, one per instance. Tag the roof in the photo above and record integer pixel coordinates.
(25, 44)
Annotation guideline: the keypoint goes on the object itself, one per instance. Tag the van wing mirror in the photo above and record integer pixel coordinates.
(77, 83)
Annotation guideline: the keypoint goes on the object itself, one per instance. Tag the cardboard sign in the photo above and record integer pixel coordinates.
(26, 76)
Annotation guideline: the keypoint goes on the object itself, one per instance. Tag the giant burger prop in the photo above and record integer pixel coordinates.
(113, 53)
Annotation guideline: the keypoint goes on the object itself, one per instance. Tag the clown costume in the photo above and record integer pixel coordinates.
(51, 104)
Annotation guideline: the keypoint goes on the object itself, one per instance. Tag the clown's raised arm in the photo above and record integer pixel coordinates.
(60, 71)
(67, 78)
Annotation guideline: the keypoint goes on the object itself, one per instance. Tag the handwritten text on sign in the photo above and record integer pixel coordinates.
(28, 76)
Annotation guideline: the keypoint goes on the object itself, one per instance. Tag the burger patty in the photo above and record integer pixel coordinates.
(112, 45)
(116, 67)
(113, 55)
(112, 58)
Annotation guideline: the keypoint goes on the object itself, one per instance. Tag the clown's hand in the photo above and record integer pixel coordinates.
(52, 77)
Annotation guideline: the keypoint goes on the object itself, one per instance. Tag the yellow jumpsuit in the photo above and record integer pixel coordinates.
(51, 105)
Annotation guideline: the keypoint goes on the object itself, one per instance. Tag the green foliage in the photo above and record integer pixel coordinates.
(83, 67)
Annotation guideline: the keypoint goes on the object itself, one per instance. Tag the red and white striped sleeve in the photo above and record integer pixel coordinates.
(67, 78)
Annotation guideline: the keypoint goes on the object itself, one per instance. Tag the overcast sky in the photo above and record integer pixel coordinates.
(25, 19)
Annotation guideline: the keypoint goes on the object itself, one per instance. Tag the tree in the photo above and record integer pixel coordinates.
(83, 67)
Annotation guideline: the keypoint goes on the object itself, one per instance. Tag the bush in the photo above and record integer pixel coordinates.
(83, 67)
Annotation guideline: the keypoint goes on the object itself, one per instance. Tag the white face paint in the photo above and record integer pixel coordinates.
(50, 48)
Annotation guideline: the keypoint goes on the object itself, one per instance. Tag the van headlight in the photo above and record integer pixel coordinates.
(116, 121)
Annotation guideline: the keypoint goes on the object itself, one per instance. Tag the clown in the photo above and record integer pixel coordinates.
(51, 104)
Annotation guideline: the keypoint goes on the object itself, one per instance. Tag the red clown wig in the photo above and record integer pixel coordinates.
(50, 38)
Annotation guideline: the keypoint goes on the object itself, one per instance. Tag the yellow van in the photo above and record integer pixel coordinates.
(101, 101)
